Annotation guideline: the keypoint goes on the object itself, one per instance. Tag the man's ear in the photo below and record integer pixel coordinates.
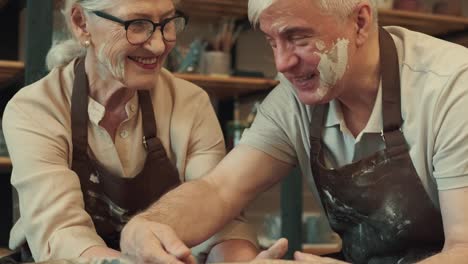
(364, 22)
(78, 24)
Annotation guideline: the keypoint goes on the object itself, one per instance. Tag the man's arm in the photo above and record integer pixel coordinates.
(197, 209)
(454, 208)
(100, 252)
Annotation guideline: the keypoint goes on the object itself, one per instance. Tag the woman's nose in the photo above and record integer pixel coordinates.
(156, 43)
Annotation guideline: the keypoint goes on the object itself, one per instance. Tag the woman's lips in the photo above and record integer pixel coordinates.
(145, 63)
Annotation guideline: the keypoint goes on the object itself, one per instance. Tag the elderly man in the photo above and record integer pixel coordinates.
(374, 117)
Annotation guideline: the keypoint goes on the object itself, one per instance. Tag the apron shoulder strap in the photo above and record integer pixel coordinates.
(79, 111)
(150, 139)
(391, 91)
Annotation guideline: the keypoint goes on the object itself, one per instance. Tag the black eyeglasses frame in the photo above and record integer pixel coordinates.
(127, 23)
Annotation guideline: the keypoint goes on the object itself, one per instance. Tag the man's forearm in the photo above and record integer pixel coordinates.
(100, 252)
(195, 211)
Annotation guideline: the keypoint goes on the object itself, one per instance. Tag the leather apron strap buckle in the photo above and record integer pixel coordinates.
(146, 142)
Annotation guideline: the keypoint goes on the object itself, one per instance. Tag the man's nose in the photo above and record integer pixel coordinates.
(285, 59)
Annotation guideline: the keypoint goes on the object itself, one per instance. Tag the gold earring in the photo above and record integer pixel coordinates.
(86, 43)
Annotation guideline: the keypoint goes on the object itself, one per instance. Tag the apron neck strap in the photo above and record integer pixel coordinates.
(149, 121)
(390, 72)
(79, 110)
(316, 129)
(391, 91)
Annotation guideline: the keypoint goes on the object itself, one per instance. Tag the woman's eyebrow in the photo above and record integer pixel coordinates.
(148, 16)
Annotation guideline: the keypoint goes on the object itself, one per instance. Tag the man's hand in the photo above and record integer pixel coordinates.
(313, 259)
(277, 251)
(145, 241)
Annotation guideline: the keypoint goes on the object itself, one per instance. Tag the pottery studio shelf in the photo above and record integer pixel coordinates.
(228, 87)
(436, 25)
(215, 8)
(9, 70)
(431, 24)
(5, 164)
(217, 86)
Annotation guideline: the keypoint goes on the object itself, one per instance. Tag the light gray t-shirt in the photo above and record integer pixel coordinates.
(434, 90)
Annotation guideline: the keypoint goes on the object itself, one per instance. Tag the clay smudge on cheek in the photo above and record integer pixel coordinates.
(333, 63)
(320, 45)
(322, 90)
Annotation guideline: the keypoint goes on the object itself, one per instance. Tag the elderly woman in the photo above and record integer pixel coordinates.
(107, 132)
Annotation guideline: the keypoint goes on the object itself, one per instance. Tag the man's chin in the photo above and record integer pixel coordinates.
(309, 98)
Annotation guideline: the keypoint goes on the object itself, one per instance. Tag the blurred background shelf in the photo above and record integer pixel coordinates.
(10, 70)
(221, 87)
(228, 87)
(5, 164)
(436, 25)
(215, 8)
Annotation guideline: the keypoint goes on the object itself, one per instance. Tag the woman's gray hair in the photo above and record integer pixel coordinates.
(65, 50)
(342, 8)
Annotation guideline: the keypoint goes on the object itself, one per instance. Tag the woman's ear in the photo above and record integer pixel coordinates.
(78, 24)
(364, 22)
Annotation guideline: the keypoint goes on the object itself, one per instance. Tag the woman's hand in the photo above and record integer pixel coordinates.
(149, 242)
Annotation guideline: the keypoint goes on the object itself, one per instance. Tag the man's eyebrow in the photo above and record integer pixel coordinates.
(288, 31)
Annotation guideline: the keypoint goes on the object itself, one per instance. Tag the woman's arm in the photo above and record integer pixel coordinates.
(53, 219)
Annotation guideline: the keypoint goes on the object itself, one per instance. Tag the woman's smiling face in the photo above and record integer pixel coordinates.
(135, 66)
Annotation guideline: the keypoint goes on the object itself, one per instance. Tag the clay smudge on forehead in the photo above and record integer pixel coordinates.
(333, 63)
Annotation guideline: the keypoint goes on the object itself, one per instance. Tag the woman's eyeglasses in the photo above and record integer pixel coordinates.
(138, 31)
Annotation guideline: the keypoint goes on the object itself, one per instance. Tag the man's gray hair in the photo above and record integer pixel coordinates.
(65, 50)
(342, 8)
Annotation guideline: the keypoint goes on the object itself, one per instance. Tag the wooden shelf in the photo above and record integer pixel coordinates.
(9, 70)
(217, 86)
(228, 87)
(436, 25)
(215, 8)
(5, 164)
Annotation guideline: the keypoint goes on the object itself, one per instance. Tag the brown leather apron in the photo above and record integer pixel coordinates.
(112, 200)
(378, 205)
